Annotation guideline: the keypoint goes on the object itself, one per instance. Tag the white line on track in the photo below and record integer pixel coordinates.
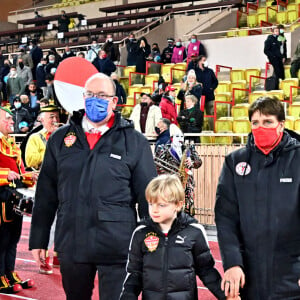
(18, 297)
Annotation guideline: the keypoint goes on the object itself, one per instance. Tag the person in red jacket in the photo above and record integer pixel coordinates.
(167, 104)
(11, 173)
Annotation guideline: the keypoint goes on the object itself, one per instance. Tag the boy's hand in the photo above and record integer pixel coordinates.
(233, 279)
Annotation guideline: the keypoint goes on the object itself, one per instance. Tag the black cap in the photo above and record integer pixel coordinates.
(147, 94)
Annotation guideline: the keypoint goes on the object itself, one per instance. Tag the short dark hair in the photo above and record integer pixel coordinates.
(166, 122)
(13, 67)
(267, 106)
(45, 101)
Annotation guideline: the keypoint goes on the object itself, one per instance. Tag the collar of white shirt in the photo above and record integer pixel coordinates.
(88, 127)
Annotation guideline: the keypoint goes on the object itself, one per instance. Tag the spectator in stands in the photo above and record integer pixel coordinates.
(167, 104)
(282, 39)
(143, 51)
(26, 57)
(36, 54)
(4, 71)
(191, 118)
(193, 62)
(167, 53)
(179, 52)
(50, 93)
(26, 104)
(63, 22)
(21, 116)
(295, 64)
(162, 130)
(275, 57)
(111, 49)
(195, 46)
(24, 72)
(258, 231)
(34, 94)
(41, 75)
(157, 95)
(93, 51)
(209, 81)
(81, 54)
(37, 15)
(15, 85)
(120, 92)
(132, 48)
(190, 87)
(145, 116)
(103, 63)
(51, 64)
(155, 53)
(2, 59)
(57, 57)
(122, 185)
(68, 53)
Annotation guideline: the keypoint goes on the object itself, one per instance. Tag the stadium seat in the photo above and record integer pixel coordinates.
(136, 88)
(287, 71)
(252, 20)
(130, 100)
(240, 110)
(254, 95)
(276, 93)
(252, 71)
(231, 32)
(124, 81)
(208, 139)
(239, 95)
(126, 111)
(297, 125)
(292, 16)
(261, 17)
(223, 87)
(224, 124)
(237, 74)
(262, 10)
(223, 109)
(241, 125)
(150, 78)
(178, 73)
(272, 13)
(292, 6)
(223, 140)
(281, 17)
(166, 71)
(181, 66)
(289, 122)
(129, 69)
(146, 89)
(269, 2)
(286, 84)
(223, 96)
(243, 31)
(294, 26)
(294, 110)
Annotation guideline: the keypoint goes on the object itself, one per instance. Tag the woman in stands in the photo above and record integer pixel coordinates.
(143, 52)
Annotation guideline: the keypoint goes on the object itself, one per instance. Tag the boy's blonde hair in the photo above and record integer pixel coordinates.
(166, 187)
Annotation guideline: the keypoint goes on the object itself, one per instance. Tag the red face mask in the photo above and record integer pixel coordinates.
(104, 55)
(266, 139)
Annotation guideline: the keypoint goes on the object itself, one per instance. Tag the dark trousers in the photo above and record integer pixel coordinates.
(295, 66)
(10, 233)
(278, 70)
(78, 279)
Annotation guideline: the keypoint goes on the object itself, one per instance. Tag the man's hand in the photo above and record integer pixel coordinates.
(233, 279)
(39, 256)
(12, 176)
(35, 176)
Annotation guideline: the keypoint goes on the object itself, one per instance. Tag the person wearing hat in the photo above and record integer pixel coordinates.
(167, 53)
(145, 116)
(167, 104)
(11, 168)
(21, 116)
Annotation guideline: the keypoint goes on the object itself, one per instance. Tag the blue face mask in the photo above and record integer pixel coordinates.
(193, 41)
(96, 109)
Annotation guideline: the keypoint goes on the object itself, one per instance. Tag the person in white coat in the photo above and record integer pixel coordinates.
(146, 115)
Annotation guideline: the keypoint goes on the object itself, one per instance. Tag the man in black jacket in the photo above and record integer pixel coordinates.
(257, 210)
(94, 173)
(103, 63)
(275, 57)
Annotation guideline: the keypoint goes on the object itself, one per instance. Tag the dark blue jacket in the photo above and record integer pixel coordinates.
(163, 138)
(36, 55)
(272, 48)
(104, 65)
(40, 75)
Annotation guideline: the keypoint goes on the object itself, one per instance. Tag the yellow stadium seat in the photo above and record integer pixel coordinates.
(252, 20)
(276, 93)
(292, 16)
(243, 31)
(281, 17)
(223, 140)
(150, 78)
(294, 26)
(126, 111)
(223, 96)
(297, 125)
(294, 110)
(261, 17)
(231, 32)
(254, 72)
(129, 69)
(272, 13)
(146, 89)
(286, 84)
(208, 139)
(239, 95)
(269, 2)
(223, 109)
(255, 95)
(124, 81)
(287, 71)
(181, 66)
(166, 71)
(240, 110)
(262, 10)
(241, 125)
(130, 100)
(289, 122)
(224, 124)
(177, 73)
(292, 6)
(223, 87)
(134, 88)
(237, 75)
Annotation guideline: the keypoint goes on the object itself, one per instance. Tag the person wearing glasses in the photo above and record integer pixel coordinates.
(93, 176)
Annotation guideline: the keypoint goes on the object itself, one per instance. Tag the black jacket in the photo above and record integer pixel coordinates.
(141, 54)
(190, 120)
(112, 50)
(163, 138)
(196, 91)
(21, 115)
(272, 48)
(168, 271)
(94, 192)
(258, 218)
(104, 65)
(132, 48)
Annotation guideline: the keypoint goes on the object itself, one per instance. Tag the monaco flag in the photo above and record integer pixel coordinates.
(69, 81)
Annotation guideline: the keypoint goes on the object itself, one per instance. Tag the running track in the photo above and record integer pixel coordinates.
(49, 287)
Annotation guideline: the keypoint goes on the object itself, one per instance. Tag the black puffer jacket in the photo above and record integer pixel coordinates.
(93, 191)
(165, 268)
(258, 218)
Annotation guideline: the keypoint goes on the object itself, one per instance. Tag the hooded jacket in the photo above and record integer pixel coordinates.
(168, 109)
(94, 192)
(165, 267)
(258, 218)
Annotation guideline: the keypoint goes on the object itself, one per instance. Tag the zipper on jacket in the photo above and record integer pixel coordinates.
(165, 267)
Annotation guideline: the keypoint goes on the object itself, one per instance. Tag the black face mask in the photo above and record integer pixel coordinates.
(157, 130)
(21, 65)
(116, 81)
(144, 104)
(170, 45)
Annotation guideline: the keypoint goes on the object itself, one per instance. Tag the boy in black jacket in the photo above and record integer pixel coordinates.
(167, 252)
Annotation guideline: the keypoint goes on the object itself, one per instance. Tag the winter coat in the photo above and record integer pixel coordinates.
(141, 55)
(153, 117)
(36, 54)
(63, 24)
(94, 192)
(197, 48)
(104, 65)
(209, 82)
(166, 55)
(272, 48)
(21, 115)
(15, 86)
(190, 120)
(132, 48)
(258, 218)
(40, 75)
(25, 74)
(112, 50)
(162, 139)
(179, 54)
(67, 55)
(165, 267)
(168, 109)
(196, 90)
(120, 93)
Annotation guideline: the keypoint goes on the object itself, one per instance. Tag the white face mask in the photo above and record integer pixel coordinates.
(205, 64)
(13, 73)
(18, 105)
(109, 39)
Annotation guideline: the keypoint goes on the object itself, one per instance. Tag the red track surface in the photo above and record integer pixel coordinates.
(49, 287)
